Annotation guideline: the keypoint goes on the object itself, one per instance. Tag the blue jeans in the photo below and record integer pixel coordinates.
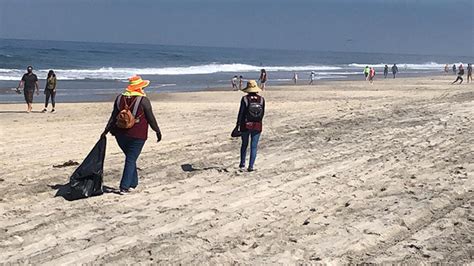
(255, 136)
(132, 148)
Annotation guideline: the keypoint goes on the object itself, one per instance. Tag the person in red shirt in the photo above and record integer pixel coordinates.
(131, 140)
(371, 75)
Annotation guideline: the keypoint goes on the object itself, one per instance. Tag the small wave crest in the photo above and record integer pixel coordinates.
(109, 73)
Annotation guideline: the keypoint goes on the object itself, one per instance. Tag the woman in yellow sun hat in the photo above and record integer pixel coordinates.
(129, 122)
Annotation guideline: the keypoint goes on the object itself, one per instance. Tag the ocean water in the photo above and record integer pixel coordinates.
(97, 71)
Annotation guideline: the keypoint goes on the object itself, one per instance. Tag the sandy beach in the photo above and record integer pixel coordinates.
(347, 172)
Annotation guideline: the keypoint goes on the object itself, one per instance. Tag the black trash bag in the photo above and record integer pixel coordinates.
(86, 181)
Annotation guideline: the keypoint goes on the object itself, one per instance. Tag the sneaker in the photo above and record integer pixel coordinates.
(241, 167)
(250, 169)
(52, 111)
(44, 110)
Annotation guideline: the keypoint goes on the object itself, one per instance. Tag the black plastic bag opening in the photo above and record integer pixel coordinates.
(87, 180)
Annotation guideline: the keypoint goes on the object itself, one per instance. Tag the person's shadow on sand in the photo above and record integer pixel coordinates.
(64, 190)
(19, 112)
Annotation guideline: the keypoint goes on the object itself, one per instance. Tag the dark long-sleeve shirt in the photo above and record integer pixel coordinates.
(241, 117)
(144, 109)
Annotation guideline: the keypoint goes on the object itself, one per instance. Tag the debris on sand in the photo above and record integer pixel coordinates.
(66, 164)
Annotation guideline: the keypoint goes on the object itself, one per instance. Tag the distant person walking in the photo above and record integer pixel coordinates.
(29, 81)
(295, 78)
(263, 78)
(366, 72)
(50, 91)
(234, 83)
(446, 68)
(241, 82)
(469, 73)
(460, 74)
(371, 75)
(312, 77)
(249, 121)
(385, 71)
(394, 70)
(454, 69)
(129, 124)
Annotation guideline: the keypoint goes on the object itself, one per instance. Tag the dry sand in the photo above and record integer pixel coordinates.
(347, 172)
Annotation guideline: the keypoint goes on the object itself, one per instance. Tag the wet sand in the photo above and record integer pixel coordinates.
(347, 172)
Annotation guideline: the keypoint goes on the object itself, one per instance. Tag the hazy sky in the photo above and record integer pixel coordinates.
(398, 26)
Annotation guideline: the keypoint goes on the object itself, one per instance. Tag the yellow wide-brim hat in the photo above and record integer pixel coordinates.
(252, 87)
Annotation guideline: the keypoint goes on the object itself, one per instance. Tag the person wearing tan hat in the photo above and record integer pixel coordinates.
(129, 122)
(249, 122)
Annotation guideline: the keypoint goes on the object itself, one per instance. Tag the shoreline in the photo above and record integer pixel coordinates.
(279, 86)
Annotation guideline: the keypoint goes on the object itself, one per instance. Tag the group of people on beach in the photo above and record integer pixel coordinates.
(369, 72)
(132, 115)
(460, 73)
(30, 84)
(237, 82)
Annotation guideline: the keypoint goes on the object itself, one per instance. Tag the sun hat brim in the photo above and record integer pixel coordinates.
(252, 89)
(140, 85)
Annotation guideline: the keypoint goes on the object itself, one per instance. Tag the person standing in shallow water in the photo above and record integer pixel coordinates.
(312, 76)
(385, 72)
(394, 70)
(241, 82)
(371, 75)
(233, 81)
(50, 91)
(249, 121)
(263, 78)
(366, 72)
(29, 81)
(295, 78)
(469, 72)
(131, 138)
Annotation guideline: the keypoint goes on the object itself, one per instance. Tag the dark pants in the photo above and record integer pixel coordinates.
(255, 136)
(52, 94)
(458, 78)
(132, 148)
